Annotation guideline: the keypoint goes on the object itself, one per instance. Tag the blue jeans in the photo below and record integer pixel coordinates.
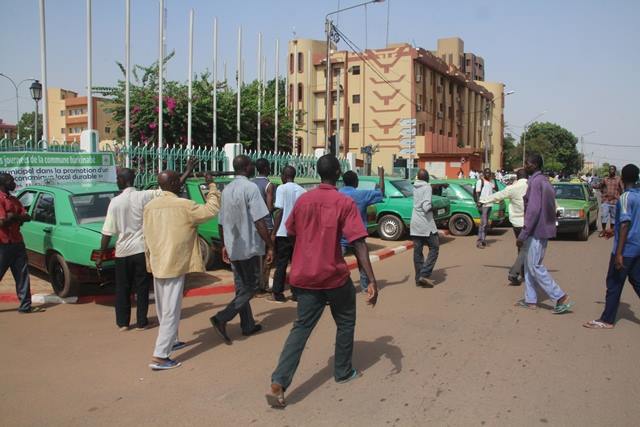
(537, 274)
(615, 282)
(485, 215)
(425, 268)
(364, 279)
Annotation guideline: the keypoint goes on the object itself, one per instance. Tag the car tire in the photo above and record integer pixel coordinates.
(583, 235)
(460, 224)
(62, 281)
(205, 252)
(390, 227)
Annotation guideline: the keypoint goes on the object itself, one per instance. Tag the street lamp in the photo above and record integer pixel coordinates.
(16, 86)
(332, 35)
(524, 135)
(36, 94)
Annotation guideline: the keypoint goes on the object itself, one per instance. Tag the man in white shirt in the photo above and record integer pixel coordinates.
(286, 196)
(484, 188)
(124, 219)
(515, 193)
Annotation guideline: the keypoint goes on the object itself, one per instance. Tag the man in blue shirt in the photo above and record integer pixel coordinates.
(363, 199)
(625, 257)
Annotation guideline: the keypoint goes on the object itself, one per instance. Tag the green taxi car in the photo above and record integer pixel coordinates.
(63, 237)
(464, 212)
(577, 209)
(391, 217)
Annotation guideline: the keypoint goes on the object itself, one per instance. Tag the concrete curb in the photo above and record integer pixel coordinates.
(224, 288)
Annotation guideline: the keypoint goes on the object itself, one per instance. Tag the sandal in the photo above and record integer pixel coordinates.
(562, 308)
(597, 324)
(522, 304)
(275, 399)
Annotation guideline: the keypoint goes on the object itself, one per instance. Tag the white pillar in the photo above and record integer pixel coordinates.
(294, 97)
(127, 71)
(277, 106)
(43, 75)
(259, 65)
(190, 90)
(160, 81)
(238, 83)
(215, 82)
(89, 82)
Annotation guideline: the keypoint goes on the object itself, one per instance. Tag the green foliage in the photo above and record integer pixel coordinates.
(603, 170)
(144, 111)
(26, 123)
(510, 153)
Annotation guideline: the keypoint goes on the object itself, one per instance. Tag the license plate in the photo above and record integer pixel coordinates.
(440, 212)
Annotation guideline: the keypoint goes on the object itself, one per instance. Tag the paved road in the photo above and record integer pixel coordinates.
(457, 354)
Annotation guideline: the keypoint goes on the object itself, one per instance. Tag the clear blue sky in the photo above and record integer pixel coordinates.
(576, 59)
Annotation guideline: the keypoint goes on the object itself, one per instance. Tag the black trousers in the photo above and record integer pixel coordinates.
(284, 252)
(132, 275)
(14, 256)
(246, 277)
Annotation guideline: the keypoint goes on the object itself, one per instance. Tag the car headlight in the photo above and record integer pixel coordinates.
(573, 213)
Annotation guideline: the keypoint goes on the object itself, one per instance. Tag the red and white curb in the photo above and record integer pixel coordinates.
(195, 292)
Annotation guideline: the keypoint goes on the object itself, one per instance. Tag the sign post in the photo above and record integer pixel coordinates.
(408, 141)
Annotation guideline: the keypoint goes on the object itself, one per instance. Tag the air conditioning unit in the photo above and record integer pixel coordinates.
(440, 115)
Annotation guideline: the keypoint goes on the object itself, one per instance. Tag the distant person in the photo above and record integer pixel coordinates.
(460, 174)
(625, 258)
(13, 254)
(611, 188)
(320, 275)
(169, 227)
(124, 219)
(363, 199)
(246, 245)
(423, 230)
(539, 227)
(515, 194)
(267, 192)
(484, 188)
(286, 196)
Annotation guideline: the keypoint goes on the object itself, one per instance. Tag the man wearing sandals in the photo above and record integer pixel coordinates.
(625, 257)
(321, 277)
(539, 227)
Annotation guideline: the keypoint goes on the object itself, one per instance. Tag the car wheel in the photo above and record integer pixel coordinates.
(205, 252)
(583, 235)
(460, 224)
(62, 281)
(390, 227)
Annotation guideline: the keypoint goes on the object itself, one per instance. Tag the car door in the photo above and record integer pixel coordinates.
(29, 229)
(42, 227)
(592, 201)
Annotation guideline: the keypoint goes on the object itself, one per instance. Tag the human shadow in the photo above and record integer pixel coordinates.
(366, 354)
(439, 276)
(625, 312)
(508, 267)
(384, 283)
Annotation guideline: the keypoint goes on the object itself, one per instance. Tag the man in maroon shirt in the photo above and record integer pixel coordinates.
(13, 254)
(320, 275)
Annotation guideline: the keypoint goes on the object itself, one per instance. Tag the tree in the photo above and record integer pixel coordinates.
(26, 123)
(510, 153)
(556, 144)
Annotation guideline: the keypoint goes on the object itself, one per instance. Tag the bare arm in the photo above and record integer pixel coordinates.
(276, 221)
(624, 232)
(270, 197)
(362, 254)
(203, 213)
(191, 163)
(263, 231)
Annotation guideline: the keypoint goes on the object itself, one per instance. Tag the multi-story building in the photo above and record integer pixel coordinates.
(7, 130)
(383, 90)
(451, 51)
(68, 116)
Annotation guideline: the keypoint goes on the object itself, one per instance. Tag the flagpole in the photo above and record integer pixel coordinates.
(43, 76)
(160, 78)
(190, 90)
(127, 96)
(238, 83)
(215, 82)
(259, 65)
(89, 82)
(277, 106)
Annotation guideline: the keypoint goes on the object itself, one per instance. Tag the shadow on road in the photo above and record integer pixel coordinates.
(384, 283)
(439, 276)
(366, 354)
(625, 312)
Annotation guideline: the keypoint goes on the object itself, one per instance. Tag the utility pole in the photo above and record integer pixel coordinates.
(337, 111)
(43, 71)
(328, 29)
(485, 134)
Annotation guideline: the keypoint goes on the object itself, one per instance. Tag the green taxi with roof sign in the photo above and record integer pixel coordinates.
(577, 209)
(63, 237)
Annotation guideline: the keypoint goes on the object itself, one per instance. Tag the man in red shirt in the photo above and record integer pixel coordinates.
(320, 275)
(12, 251)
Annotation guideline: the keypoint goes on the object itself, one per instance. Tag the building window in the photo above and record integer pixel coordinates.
(300, 92)
(290, 94)
(107, 129)
(421, 128)
(441, 132)
(300, 62)
(355, 127)
(441, 107)
(62, 130)
(355, 70)
(355, 99)
(291, 59)
(61, 113)
(468, 62)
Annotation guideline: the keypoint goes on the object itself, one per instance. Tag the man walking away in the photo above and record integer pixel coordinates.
(611, 188)
(363, 199)
(515, 194)
(625, 257)
(321, 276)
(484, 188)
(266, 188)
(13, 254)
(169, 228)
(423, 230)
(286, 196)
(539, 227)
(244, 235)
(124, 219)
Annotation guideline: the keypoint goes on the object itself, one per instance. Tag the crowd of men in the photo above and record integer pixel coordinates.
(261, 226)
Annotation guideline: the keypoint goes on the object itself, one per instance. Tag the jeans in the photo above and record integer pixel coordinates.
(425, 268)
(311, 304)
(284, 251)
(615, 282)
(132, 275)
(364, 279)
(517, 269)
(246, 277)
(485, 214)
(607, 214)
(536, 274)
(14, 256)
(168, 295)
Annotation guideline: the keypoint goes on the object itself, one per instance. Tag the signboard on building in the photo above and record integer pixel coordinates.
(35, 168)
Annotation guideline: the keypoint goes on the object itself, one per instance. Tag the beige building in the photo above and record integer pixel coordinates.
(68, 116)
(496, 128)
(451, 51)
(382, 91)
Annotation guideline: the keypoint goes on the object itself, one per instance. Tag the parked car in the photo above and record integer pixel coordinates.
(464, 212)
(391, 217)
(63, 237)
(577, 209)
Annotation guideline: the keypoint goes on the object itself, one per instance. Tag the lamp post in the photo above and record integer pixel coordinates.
(16, 87)
(524, 135)
(36, 94)
(332, 35)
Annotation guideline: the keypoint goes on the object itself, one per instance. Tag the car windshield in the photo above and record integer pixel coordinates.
(90, 208)
(404, 186)
(572, 192)
(468, 188)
